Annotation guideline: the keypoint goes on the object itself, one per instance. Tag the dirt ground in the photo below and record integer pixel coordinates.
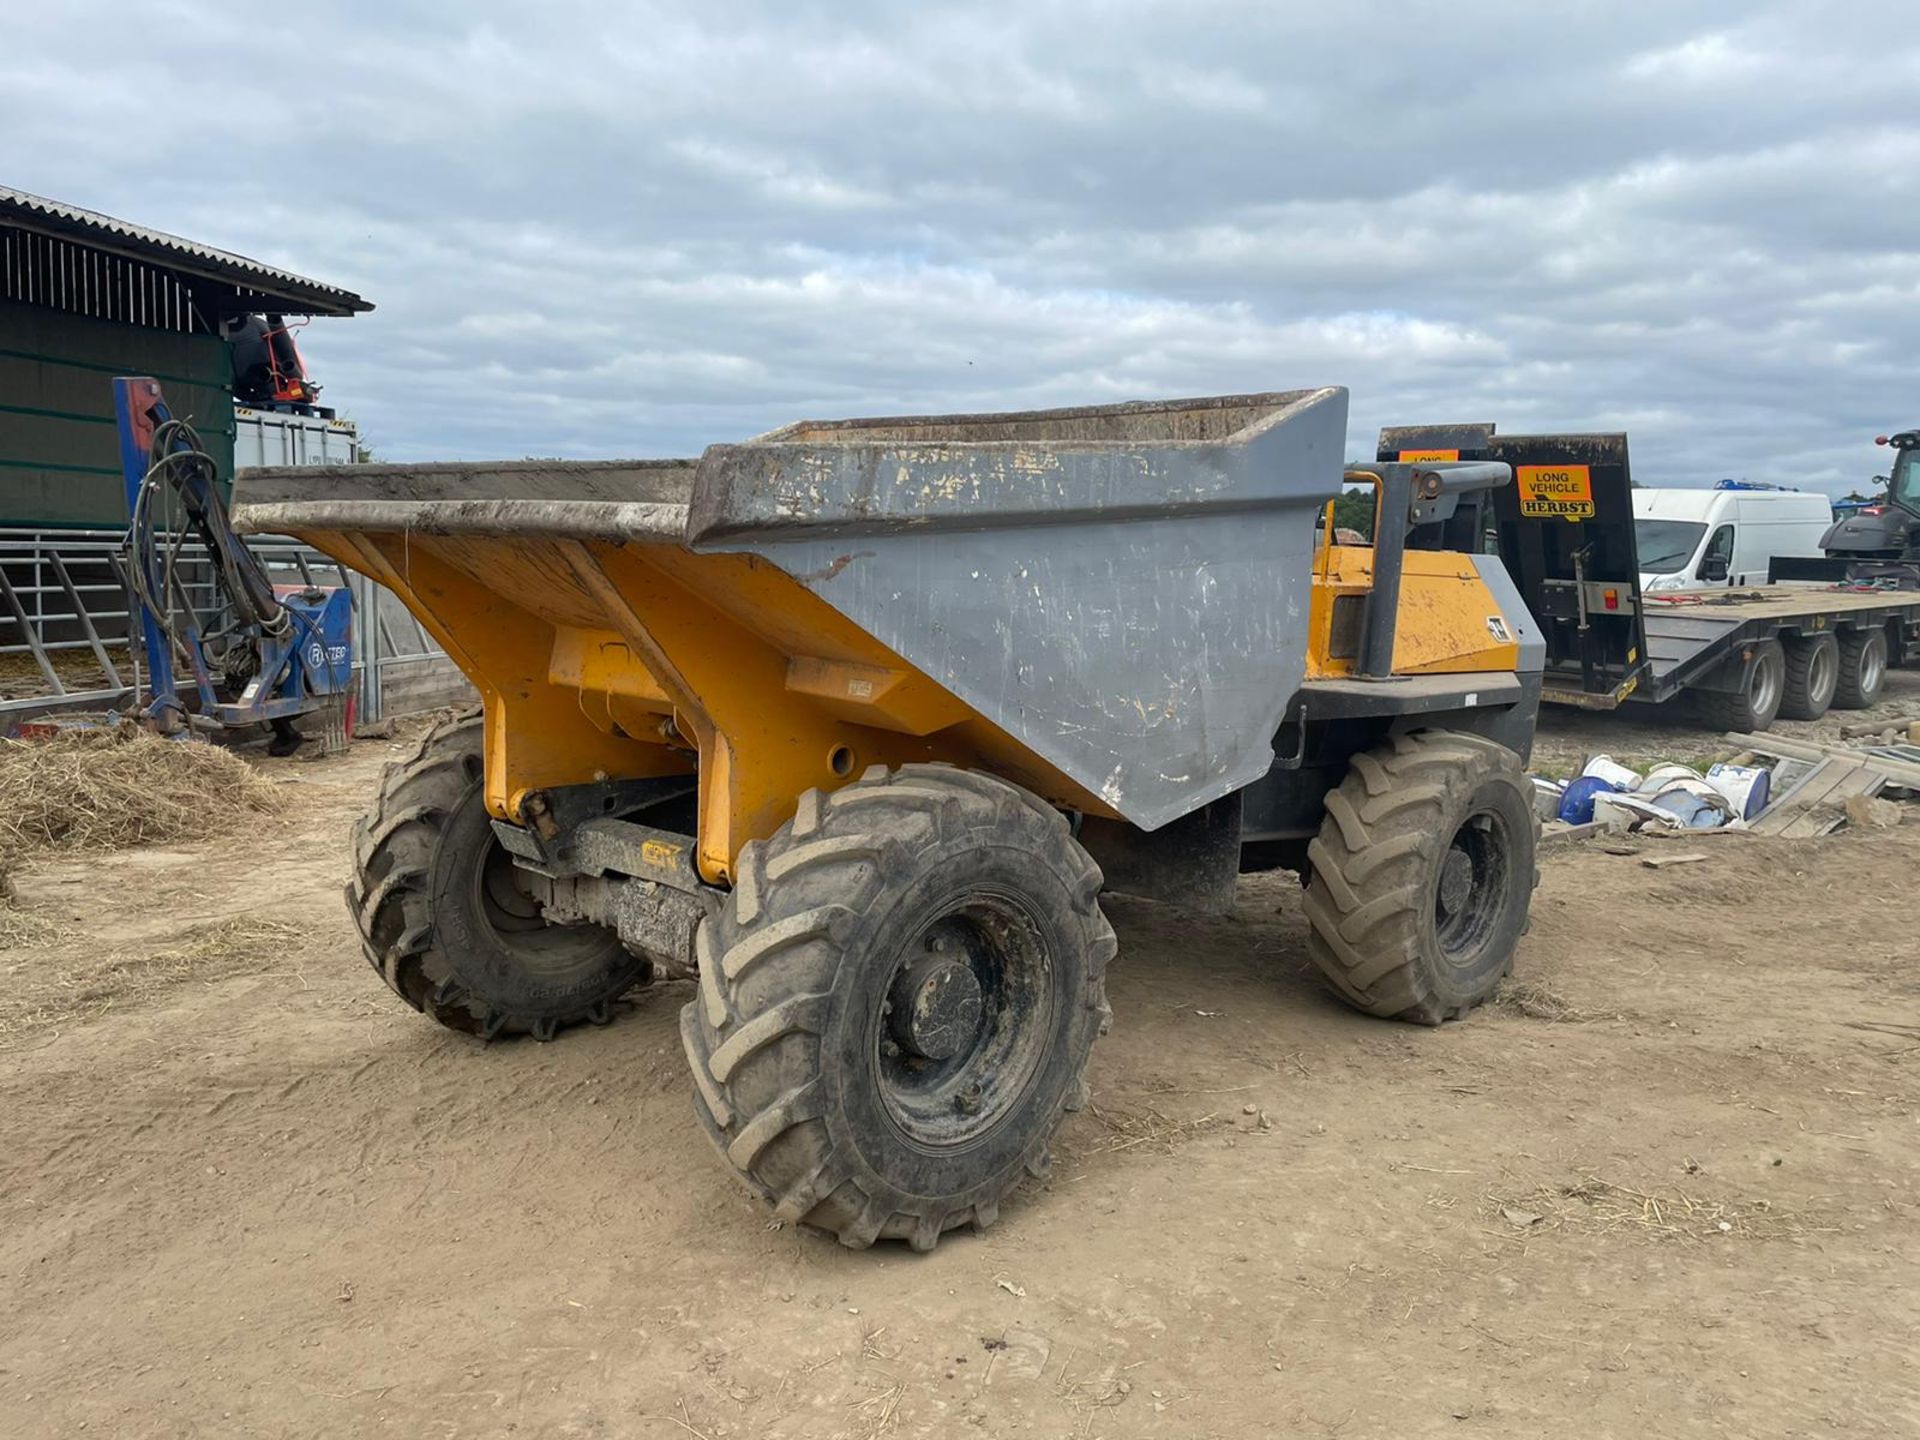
(1669, 1187)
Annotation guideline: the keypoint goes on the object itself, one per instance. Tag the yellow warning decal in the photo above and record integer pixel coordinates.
(660, 853)
(1550, 492)
(1428, 457)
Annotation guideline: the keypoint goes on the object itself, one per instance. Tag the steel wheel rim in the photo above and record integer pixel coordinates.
(1823, 673)
(946, 1102)
(1766, 685)
(542, 948)
(1471, 887)
(1873, 665)
(507, 907)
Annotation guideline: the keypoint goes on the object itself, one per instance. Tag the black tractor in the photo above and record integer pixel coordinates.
(1887, 531)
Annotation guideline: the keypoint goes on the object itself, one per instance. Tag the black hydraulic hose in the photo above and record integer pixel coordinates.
(181, 467)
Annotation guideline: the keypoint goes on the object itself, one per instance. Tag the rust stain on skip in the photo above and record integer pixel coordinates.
(828, 571)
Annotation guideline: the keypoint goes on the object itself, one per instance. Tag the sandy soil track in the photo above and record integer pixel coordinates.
(244, 1192)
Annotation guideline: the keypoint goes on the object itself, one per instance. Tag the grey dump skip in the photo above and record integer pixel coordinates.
(1124, 589)
(583, 500)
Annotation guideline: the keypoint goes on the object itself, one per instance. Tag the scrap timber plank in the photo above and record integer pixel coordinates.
(1815, 787)
(1661, 862)
(1829, 813)
(1898, 772)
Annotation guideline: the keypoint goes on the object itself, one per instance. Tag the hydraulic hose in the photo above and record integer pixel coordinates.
(182, 468)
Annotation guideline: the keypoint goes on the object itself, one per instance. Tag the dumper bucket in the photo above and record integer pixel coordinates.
(1107, 604)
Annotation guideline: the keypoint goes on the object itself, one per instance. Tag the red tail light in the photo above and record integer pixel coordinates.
(1611, 599)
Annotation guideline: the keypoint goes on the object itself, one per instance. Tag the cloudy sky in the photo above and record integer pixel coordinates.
(615, 229)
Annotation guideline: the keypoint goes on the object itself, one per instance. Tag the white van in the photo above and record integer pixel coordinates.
(1691, 539)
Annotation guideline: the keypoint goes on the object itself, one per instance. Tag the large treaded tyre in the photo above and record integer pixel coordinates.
(927, 897)
(1863, 669)
(1813, 676)
(1756, 705)
(1422, 875)
(441, 920)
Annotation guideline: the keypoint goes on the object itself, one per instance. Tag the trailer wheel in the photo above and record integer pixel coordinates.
(1813, 676)
(1863, 668)
(443, 921)
(1756, 704)
(897, 1003)
(1422, 875)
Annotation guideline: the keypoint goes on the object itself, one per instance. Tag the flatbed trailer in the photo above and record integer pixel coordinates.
(1691, 636)
(1737, 658)
(1741, 657)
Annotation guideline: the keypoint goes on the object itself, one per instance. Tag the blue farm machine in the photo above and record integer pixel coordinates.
(255, 652)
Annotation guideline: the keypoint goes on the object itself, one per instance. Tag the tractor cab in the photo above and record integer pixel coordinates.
(1903, 485)
(1889, 531)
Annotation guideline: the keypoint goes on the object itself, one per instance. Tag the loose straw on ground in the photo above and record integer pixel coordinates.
(108, 789)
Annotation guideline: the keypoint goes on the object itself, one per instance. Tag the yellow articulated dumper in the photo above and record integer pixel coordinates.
(851, 725)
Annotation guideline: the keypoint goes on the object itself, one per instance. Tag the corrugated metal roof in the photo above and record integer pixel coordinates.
(296, 294)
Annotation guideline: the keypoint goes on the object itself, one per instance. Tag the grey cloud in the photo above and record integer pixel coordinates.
(620, 230)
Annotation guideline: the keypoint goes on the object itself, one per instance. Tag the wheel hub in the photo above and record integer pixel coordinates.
(934, 1007)
(1456, 881)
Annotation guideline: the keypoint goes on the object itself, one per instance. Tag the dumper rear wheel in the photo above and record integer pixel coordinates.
(443, 920)
(1422, 875)
(897, 1002)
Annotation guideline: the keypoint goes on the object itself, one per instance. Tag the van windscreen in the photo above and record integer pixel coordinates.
(1666, 545)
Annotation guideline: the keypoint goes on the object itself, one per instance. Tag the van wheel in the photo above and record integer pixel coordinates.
(1813, 676)
(1863, 669)
(1755, 705)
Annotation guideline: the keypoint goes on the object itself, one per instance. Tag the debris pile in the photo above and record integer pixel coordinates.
(1797, 788)
(105, 789)
(1609, 796)
(1822, 786)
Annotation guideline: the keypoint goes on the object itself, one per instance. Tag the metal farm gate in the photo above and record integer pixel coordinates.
(68, 634)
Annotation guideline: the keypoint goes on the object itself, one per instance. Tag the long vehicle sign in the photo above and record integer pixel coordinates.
(1555, 491)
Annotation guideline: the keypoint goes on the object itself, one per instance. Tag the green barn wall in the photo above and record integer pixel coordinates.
(59, 448)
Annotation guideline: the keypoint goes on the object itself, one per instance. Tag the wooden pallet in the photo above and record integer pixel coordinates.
(1814, 802)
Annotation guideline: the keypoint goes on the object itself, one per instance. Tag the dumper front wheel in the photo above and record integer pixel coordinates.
(1422, 875)
(897, 1003)
(443, 919)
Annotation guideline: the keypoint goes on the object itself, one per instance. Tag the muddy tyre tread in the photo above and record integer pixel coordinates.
(755, 1033)
(1719, 710)
(1851, 692)
(1733, 712)
(395, 846)
(1385, 832)
(1797, 700)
